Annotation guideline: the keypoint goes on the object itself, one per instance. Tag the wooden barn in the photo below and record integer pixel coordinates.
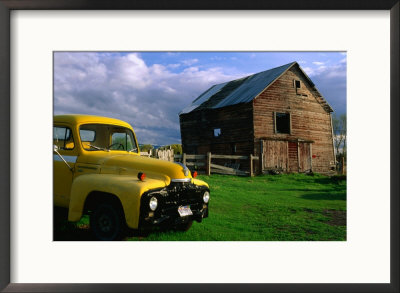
(278, 115)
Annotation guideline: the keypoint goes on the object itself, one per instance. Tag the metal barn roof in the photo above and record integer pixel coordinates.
(241, 90)
(204, 97)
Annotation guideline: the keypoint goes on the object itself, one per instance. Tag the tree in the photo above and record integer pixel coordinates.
(145, 147)
(340, 134)
(176, 147)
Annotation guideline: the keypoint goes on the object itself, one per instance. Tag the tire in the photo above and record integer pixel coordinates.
(184, 226)
(107, 222)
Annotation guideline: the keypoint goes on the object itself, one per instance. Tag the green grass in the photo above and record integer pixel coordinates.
(291, 207)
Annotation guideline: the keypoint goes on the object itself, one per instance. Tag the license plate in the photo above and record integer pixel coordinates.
(185, 211)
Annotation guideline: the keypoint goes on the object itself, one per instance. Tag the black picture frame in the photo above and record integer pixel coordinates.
(8, 5)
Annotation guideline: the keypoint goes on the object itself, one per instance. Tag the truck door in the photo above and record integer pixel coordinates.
(64, 141)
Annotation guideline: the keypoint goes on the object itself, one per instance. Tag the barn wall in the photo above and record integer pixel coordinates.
(309, 121)
(235, 122)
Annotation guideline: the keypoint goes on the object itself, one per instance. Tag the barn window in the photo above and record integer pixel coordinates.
(217, 132)
(297, 86)
(282, 123)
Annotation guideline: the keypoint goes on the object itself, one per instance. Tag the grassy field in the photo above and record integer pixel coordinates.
(291, 207)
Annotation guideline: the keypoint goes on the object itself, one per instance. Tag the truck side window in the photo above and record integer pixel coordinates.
(62, 137)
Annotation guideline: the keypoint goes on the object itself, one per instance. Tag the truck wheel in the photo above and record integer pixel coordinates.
(106, 222)
(184, 226)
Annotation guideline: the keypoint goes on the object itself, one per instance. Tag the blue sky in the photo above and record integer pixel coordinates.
(149, 89)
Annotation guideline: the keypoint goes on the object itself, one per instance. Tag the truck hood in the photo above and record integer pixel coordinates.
(128, 164)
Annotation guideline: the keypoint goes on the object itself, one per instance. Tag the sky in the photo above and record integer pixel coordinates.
(149, 89)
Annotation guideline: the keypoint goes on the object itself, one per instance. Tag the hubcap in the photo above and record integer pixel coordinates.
(105, 223)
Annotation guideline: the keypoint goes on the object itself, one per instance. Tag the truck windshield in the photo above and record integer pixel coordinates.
(97, 137)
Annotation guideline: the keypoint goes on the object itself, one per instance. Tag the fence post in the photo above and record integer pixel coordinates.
(208, 164)
(251, 165)
(184, 158)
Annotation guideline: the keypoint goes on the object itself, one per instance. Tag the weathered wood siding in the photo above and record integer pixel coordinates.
(293, 158)
(275, 155)
(305, 160)
(235, 122)
(309, 120)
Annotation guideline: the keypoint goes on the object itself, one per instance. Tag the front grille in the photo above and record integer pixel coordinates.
(182, 194)
(171, 197)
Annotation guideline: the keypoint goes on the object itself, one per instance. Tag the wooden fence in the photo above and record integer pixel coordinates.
(166, 155)
(205, 162)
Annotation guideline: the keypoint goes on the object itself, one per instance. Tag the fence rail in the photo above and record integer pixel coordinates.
(205, 161)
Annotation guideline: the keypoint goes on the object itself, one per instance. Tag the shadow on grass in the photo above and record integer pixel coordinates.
(332, 190)
(324, 196)
(329, 187)
(331, 180)
(67, 231)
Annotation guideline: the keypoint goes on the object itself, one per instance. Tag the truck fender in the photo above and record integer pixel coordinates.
(127, 189)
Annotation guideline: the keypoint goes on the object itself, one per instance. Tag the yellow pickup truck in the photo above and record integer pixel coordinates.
(98, 171)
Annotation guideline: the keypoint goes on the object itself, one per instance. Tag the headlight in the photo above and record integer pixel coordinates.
(153, 203)
(206, 197)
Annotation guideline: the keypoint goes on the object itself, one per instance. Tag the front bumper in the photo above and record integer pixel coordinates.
(169, 200)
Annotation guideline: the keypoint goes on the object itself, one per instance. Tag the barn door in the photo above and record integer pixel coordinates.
(293, 156)
(287, 156)
(304, 156)
(275, 155)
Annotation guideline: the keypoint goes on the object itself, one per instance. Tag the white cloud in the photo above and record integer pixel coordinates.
(190, 62)
(132, 71)
(338, 69)
(310, 71)
(125, 87)
(331, 81)
(150, 97)
(173, 66)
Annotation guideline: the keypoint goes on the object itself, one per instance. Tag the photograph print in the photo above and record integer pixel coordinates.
(199, 146)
